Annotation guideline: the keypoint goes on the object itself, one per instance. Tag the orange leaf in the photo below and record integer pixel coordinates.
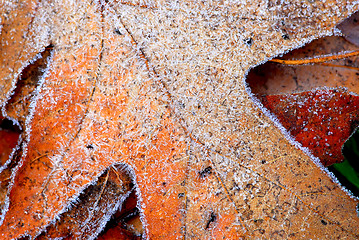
(157, 89)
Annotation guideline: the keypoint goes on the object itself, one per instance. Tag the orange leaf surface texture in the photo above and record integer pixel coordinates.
(151, 98)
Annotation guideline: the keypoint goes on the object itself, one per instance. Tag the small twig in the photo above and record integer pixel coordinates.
(315, 59)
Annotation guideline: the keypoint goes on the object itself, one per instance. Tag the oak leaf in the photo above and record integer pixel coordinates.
(158, 89)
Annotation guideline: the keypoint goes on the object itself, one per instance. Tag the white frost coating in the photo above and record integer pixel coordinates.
(1, 25)
(337, 32)
(109, 212)
(112, 211)
(140, 204)
(27, 131)
(290, 138)
(14, 80)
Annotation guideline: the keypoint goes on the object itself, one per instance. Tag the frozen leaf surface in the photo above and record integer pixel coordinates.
(159, 88)
(316, 103)
(321, 120)
(93, 208)
(125, 223)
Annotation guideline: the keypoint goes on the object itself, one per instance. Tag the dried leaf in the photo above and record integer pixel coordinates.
(85, 218)
(159, 87)
(272, 78)
(350, 28)
(321, 120)
(323, 127)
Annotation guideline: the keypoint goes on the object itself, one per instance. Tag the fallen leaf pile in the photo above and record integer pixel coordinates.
(123, 98)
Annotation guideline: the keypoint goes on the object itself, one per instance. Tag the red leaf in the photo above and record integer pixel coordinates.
(322, 120)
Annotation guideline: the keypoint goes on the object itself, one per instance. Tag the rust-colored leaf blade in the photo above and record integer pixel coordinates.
(321, 120)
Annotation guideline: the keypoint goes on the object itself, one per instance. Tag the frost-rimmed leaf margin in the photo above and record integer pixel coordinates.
(14, 86)
(14, 81)
(276, 121)
(27, 130)
(74, 200)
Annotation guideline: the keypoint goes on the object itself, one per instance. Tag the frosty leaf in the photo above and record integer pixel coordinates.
(18, 106)
(125, 223)
(23, 35)
(273, 78)
(89, 213)
(323, 127)
(320, 120)
(159, 88)
(16, 110)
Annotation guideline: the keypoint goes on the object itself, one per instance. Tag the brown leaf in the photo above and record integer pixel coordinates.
(158, 88)
(272, 78)
(125, 223)
(350, 28)
(85, 216)
(289, 91)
